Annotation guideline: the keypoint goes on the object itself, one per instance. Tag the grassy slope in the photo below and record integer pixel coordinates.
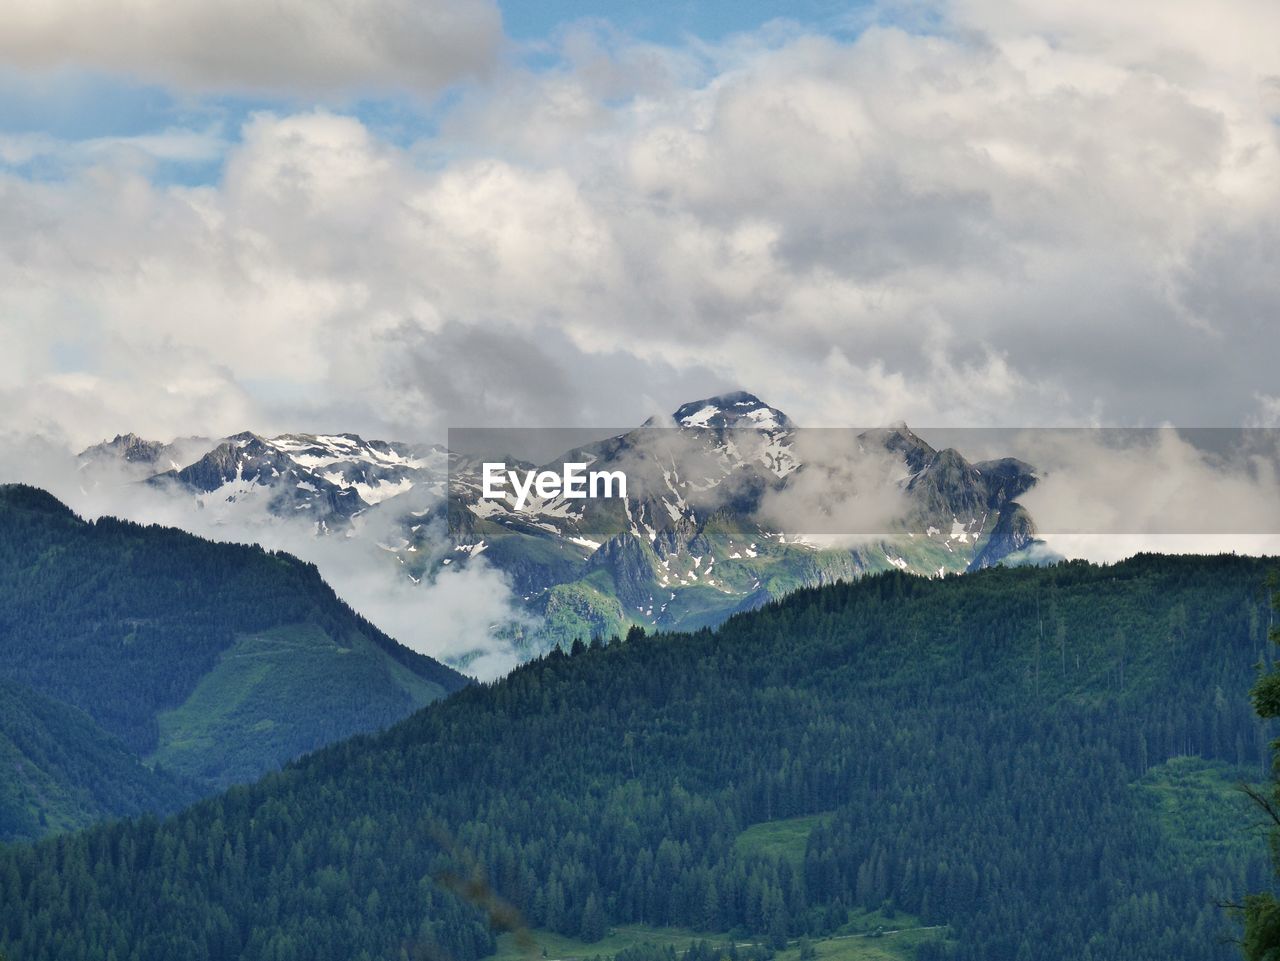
(1201, 810)
(784, 838)
(244, 711)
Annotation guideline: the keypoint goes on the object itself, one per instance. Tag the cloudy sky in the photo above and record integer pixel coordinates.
(394, 216)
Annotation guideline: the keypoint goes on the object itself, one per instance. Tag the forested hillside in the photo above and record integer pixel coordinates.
(220, 661)
(62, 771)
(1039, 759)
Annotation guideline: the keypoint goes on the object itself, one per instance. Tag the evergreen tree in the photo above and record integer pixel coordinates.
(1261, 910)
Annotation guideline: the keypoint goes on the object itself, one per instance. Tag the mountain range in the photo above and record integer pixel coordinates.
(730, 505)
(141, 667)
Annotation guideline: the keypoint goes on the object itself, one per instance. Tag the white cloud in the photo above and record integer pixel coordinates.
(1200, 45)
(286, 46)
(1268, 413)
(1030, 219)
(1151, 482)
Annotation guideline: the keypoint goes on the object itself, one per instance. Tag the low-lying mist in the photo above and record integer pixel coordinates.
(463, 616)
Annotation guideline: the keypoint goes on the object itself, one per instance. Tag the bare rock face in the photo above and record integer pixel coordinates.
(692, 542)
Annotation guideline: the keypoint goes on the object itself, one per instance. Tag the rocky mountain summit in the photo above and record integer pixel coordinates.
(729, 504)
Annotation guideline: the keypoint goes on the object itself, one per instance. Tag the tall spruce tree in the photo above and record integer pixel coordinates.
(1262, 910)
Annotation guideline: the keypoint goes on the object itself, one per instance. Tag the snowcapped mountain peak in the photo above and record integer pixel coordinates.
(733, 506)
(735, 411)
(329, 478)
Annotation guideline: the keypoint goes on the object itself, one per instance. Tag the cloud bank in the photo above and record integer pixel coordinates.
(1105, 495)
(1026, 218)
